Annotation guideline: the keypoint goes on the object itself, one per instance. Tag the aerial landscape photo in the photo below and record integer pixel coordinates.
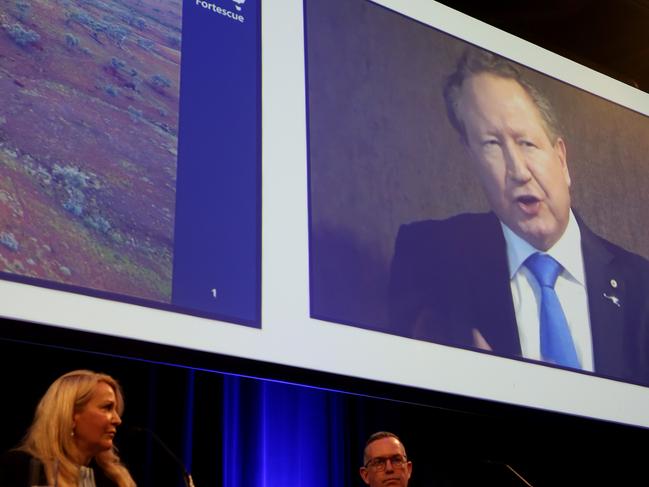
(89, 94)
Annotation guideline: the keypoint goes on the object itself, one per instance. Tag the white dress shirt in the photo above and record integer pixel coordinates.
(570, 288)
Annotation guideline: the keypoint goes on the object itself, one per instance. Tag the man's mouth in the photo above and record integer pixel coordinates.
(390, 481)
(528, 204)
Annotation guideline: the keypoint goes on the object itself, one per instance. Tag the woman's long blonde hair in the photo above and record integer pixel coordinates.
(50, 438)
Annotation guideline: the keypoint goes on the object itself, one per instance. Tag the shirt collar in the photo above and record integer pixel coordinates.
(567, 250)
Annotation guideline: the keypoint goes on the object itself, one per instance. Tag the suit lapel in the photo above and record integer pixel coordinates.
(606, 299)
(494, 311)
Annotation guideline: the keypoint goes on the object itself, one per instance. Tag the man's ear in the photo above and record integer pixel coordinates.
(365, 475)
(560, 151)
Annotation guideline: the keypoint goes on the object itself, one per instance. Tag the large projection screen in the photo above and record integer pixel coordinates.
(290, 328)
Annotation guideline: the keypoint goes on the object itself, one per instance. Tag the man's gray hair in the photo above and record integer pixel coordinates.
(475, 61)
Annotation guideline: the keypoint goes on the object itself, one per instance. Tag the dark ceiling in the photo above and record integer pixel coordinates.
(611, 36)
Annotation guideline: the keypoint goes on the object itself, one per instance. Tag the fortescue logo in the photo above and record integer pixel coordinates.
(236, 16)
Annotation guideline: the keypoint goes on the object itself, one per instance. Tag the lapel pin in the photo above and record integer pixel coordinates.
(613, 283)
(614, 299)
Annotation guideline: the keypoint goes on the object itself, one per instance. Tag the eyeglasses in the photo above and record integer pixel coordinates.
(379, 463)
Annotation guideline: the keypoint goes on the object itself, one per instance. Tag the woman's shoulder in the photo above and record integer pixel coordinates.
(17, 458)
(14, 468)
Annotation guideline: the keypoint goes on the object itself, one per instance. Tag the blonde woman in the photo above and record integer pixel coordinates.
(70, 442)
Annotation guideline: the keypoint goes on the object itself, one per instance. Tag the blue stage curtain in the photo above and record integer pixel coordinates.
(279, 435)
(188, 430)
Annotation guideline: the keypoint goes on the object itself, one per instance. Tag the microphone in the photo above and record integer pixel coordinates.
(189, 482)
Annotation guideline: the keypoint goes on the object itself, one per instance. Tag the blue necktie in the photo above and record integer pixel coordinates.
(556, 342)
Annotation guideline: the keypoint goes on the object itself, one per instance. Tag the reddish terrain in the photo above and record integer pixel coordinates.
(88, 137)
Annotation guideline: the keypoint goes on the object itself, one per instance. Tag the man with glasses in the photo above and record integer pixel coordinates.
(385, 461)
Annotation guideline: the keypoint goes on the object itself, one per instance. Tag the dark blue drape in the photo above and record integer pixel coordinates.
(278, 435)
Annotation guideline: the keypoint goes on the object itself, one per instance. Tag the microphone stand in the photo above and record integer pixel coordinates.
(507, 465)
(187, 477)
(518, 475)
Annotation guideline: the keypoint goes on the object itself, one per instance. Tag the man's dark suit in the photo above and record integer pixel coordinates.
(451, 276)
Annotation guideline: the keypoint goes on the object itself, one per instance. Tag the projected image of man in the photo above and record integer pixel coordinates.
(385, 461)
(529, 278)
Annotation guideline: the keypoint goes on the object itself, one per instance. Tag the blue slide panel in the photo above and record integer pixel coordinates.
(217, 247)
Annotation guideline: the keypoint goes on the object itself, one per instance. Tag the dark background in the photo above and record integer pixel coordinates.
(280, 434)
(609, 36)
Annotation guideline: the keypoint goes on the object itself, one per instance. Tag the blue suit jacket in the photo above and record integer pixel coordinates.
(451, 276)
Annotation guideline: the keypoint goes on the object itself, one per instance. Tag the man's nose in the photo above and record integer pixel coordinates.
(388, 465)
(517, 168)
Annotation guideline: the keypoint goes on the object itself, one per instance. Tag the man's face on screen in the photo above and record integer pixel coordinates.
(386, 464)
(523, 173)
